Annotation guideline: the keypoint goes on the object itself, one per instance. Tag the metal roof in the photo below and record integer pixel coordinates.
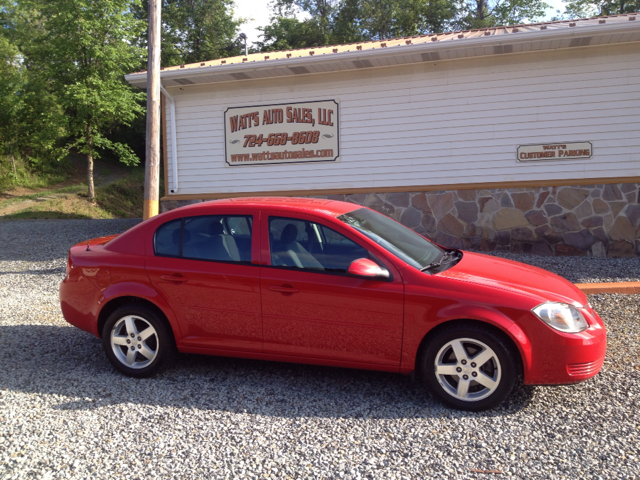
(423, 48)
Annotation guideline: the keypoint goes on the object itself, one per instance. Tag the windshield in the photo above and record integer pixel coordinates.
(401, 241)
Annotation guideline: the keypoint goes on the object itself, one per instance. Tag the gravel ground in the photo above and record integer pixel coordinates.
(584, 269)
(66, 414)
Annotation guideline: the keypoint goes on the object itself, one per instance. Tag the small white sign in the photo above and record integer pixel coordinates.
(555, 151)
(298, 132)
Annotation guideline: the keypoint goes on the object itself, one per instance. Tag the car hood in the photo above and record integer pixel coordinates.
(516, 277)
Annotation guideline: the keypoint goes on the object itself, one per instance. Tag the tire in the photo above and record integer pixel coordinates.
(469, 367)
(136, 341)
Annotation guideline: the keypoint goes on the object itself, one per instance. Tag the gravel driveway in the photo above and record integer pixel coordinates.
(65, 413)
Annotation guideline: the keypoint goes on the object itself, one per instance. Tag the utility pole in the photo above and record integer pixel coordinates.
(243, 36)
(152, 165)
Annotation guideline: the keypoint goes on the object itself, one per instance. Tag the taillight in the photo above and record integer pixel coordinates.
(69, 263)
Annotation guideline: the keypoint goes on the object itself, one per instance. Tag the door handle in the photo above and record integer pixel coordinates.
(283, 288)
(174, 278)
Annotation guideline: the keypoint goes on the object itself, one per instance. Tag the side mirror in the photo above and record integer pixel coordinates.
(363, 267)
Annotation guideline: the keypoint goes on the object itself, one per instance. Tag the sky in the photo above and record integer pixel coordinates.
(258, 10)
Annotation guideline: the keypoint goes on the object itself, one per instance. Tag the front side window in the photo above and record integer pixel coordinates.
(223, 238)
(401, 241)
(296, 243)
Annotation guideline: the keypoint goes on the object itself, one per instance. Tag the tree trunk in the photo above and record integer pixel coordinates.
(480, 10)
(13, 162)
(91, 192)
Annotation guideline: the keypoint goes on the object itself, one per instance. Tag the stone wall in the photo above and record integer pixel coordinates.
(597, 220)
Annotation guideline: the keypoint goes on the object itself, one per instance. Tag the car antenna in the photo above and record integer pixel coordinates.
(87, 250)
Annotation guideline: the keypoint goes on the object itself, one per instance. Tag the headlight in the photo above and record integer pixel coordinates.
(561, 316)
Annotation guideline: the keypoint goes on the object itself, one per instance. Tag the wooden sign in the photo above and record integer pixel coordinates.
(285, 133)
(554, 151)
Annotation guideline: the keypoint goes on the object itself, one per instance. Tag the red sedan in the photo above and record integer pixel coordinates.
(331, 283)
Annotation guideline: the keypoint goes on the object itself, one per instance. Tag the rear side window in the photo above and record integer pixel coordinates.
(222, 238)
(168, 239)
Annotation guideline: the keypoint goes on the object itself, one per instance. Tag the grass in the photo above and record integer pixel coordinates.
(43, 193)
(120, 199)
(123, 198)
(35, 214)
(26, 178)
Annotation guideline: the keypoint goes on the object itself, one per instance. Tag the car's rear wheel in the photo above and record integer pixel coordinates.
(136, 341)
(469, 368)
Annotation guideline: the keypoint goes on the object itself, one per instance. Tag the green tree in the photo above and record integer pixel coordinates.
(31, 120)
(347, 21)
(85, 49)
(382, 19)
(10, 85)
(287, 32)
(320, 12)
(473, 14)
(586, 8)
(194, 30)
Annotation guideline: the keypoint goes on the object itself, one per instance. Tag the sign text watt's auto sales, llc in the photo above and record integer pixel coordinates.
(283, 133)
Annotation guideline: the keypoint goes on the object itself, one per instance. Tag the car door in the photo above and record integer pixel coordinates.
(311, 308)
(202, 266)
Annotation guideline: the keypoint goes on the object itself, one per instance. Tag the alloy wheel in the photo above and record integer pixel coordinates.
(134, 342)
(468, 369)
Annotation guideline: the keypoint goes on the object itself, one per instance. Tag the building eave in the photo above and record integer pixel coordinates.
(431, 48)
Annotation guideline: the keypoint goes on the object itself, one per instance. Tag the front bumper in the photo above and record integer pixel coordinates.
(562, 358)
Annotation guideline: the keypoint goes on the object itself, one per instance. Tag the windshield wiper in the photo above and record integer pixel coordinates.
(445, 256)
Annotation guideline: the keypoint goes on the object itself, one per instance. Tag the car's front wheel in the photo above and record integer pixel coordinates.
(136, 341)
(469, 368)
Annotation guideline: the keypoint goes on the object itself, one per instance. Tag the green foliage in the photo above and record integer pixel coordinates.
(120, 198)
(63, 89)
(286, 32)
(83, 48)
(290, 33)
(34, 173)
(348, 21)
(123, 198)
(61, 75)
(586, 8)
(379, 19)
(132, 135)
(194, 30)
(486, 13)
(86, 49)
(31, 121)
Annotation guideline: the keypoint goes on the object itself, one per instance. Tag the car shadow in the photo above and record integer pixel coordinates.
(66, 362)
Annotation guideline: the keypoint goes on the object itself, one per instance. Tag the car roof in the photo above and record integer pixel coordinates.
(333, 208)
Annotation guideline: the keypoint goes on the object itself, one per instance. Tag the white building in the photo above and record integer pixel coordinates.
(523, 138)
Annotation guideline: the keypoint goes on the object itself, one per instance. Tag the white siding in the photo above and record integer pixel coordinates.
(429, 124)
